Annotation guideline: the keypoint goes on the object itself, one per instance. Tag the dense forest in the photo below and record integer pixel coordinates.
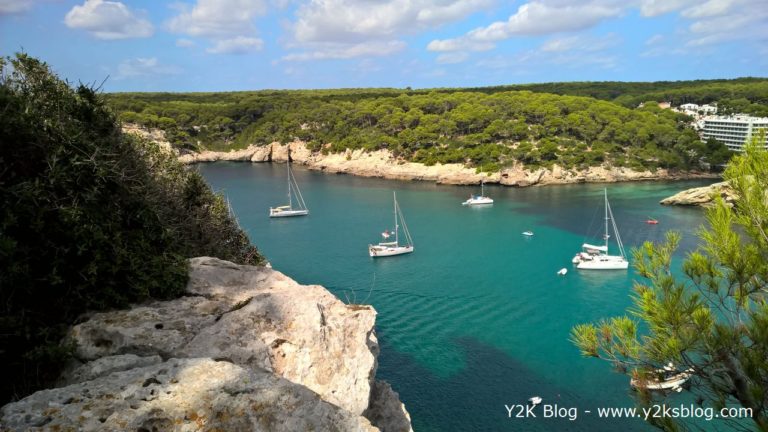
(575, 125)
(90, 219)
(742, 95)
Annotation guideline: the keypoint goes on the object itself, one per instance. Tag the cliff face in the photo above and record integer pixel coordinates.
(246, 349)
(383, 164)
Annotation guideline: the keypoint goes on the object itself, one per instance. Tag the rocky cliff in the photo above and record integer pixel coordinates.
(246, 348)
(702, 196)
(383, 164)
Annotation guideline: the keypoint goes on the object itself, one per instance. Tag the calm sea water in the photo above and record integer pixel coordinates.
(476, 317)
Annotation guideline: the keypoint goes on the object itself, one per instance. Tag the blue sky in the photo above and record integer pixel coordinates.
(225, 45)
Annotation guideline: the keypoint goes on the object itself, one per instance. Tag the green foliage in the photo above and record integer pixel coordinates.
(715, 319)
(90, 219)
(742, 95)
(436, 127)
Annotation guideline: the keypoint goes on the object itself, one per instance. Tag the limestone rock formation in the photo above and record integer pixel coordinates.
(151, 134)
(181, 395)
(702, 196)
(383, 164)
(242, 330)
(386, 411)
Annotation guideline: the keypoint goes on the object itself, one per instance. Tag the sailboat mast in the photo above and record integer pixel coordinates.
(394, 197)
(288, 165)
(606, 220)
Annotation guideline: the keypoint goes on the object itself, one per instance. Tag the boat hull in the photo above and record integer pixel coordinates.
(287, 213)
(478, 202)
(385, 251)
(605, 262)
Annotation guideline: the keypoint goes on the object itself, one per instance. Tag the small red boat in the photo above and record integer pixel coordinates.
(651, 221)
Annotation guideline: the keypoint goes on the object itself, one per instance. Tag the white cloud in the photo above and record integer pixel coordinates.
(108, 20)
(185, 43)
(330, 51)
(538, 17)
(144, 67)
(720, 21)
(567, 52)
(353, 21)
(452, 57)
(712, 21)
(582, 43)
(652, 8)
(343, 28)
(237, 45)
(459, 44)
(8, 7)
(227, 24)
(218, 18)
(709, 9)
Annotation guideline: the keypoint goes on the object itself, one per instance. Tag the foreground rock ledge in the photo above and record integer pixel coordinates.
(246, 349)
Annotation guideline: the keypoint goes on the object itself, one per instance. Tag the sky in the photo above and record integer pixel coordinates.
(228, 45)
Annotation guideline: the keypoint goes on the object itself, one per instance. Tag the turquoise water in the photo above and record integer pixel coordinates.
(476, 317)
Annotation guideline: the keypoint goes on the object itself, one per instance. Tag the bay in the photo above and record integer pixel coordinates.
(476, 318)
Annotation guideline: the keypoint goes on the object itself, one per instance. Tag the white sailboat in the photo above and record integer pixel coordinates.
(478, 199)
(594, 257)
(293, 189)
(392, 248)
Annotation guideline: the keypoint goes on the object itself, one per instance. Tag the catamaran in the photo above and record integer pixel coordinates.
(478, 199)
(593, 257)
(288, 210)
(390, 248)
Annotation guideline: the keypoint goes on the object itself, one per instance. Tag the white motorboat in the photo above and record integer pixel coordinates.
(535, 400)
(562, 271)
(594, 257)
(289, 210)
(666, 378)
(478, 199)
(528, 233)
(391, 248)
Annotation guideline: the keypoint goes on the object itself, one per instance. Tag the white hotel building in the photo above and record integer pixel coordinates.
(733, 131)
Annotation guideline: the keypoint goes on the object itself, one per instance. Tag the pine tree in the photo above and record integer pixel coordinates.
(713, 319)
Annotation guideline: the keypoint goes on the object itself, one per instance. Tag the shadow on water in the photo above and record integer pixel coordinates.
(462, 402)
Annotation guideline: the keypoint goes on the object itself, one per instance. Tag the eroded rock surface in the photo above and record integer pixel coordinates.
(247, 348)
(181, 395)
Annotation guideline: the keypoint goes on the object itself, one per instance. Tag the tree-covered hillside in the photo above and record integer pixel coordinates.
(487, 130)
(742, 95)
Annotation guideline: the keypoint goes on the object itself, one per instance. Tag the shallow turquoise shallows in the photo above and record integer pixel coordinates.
(477, 317)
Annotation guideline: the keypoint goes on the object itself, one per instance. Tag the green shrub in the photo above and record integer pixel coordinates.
(90, 219)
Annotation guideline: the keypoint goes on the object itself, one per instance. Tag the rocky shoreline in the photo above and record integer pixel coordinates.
(246, 348)
(702, 196)
(383, 164)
